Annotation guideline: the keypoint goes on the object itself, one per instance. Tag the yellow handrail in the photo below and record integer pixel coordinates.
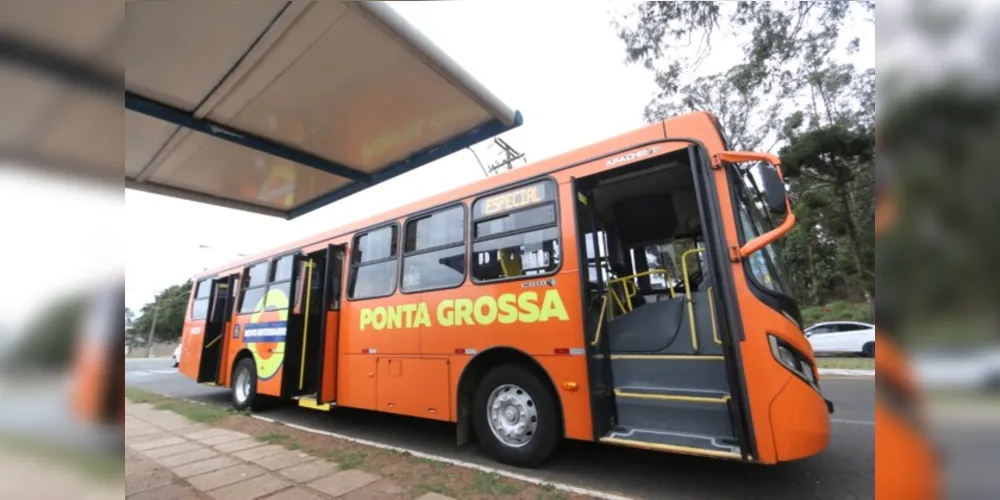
(600, 322)
(210, 344)
(711, 310)
(631, 289)
(687, 292)
(307, 267)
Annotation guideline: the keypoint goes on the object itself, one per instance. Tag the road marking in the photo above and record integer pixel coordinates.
(167, 372)
(460, 463)
(852, 422)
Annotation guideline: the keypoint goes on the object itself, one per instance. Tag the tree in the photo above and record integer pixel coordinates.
(788, 92)
(779, 40)
(172, 303)
(52, 335)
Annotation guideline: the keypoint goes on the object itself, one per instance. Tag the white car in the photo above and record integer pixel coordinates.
(177, 357)
(842, 337)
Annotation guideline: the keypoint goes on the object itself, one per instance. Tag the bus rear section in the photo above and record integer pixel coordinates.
(629, 293)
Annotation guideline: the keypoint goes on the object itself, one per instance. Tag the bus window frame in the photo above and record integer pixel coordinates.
(558, 225)
(272, 269)
(245, 280)
(466, 245)
(351, 264)
(195, 298)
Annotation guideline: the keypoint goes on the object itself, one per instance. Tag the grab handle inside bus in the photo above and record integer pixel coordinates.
(775, 196)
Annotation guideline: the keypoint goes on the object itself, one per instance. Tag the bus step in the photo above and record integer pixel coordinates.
(310, 402)
(680, 411)
(688, 444)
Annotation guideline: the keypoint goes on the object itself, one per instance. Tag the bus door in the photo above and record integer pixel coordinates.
(330, 323)
(310, 364)
(213, 338)
(590, 246)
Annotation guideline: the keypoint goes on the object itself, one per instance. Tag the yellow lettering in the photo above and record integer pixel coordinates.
(409, 309)
(395, 319)
(552, 307)
(445, 313)
(423, 318)
(379, 318)
(528, 302)
(490, 315)
(463, 312)
(508, 309)
(486, 310)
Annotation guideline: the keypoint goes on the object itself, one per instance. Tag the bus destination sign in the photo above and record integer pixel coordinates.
(513, 200)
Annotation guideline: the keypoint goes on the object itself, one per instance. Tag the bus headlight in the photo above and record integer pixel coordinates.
(793, 360)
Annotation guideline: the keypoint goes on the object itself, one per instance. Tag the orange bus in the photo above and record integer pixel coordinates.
(98, 366)
(629, 292)
(910, 466)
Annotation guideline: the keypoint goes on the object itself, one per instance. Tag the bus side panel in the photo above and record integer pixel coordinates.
(416, 387)
(269, 357)
(230, 346)
(192, 342)
(356, 382)
(569, 376)
(330, 364)
(389, 325)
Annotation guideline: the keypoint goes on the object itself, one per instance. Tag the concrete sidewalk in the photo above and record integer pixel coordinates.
(170, 457)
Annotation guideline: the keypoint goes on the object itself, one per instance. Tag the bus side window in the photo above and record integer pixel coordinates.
(199, 309)
(281, 280)
(255, 284)
(434, 251)
(516, 234)
(373, 263)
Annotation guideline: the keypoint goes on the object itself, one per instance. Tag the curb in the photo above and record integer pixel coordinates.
(847, 373)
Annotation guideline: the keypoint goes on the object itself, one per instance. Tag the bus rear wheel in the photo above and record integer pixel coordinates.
(245, 385)
(515, 417)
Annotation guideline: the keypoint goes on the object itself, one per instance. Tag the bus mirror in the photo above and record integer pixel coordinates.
(774, 190)
(774, 187)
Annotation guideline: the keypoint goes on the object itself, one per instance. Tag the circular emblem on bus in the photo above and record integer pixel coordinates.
(265, 334)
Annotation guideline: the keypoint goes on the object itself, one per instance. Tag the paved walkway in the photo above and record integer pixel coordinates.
(170, 457)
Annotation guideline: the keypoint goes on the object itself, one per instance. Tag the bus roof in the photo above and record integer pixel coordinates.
(275, 107)
(704, 121)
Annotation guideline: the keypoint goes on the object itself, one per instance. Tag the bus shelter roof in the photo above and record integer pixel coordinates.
(274, 107)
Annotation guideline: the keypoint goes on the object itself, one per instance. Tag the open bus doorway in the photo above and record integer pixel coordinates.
(651, 307)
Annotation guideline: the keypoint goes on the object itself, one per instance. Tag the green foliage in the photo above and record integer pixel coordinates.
(51, 337)
(837, 311)
(172, 303)
(788, 93)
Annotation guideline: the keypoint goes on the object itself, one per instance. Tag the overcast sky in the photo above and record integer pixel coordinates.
(560, 64)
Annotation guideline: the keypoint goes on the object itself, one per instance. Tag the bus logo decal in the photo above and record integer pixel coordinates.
(507, 309)
(636, 155)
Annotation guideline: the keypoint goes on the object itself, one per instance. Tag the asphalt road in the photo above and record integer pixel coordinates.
(845, 470)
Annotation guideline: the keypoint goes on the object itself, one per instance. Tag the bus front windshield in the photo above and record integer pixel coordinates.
(765, 266)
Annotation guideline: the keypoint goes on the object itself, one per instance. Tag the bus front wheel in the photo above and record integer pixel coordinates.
(515, 417)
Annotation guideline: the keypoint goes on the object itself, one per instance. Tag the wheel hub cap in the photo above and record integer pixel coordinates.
(513, 415)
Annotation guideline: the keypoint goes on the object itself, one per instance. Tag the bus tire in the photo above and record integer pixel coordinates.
(515, 417)
(245, 386)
